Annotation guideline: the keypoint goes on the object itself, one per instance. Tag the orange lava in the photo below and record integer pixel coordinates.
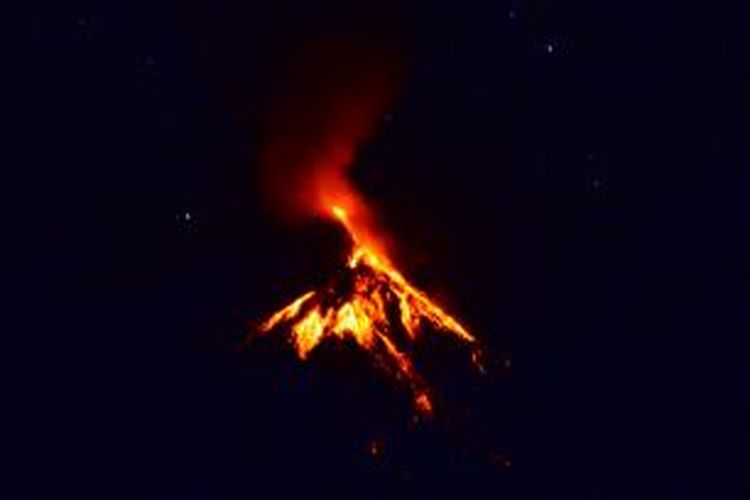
(366, 313)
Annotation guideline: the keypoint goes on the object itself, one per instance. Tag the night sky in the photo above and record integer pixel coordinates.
(570, 178)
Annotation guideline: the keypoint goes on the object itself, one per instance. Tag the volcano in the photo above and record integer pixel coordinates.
(371, 303)
(318, 125)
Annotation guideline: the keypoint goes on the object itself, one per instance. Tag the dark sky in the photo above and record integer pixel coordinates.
(570, 177)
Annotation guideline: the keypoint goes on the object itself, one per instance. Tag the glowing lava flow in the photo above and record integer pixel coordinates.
(376, 304)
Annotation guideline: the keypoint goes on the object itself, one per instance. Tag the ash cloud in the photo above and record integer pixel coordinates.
(330, 94)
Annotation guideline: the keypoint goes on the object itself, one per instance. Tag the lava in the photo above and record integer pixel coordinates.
(377, 306)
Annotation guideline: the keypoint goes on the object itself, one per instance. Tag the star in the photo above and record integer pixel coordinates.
(186, 217)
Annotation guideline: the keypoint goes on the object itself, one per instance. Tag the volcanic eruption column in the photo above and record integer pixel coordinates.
(331, 106)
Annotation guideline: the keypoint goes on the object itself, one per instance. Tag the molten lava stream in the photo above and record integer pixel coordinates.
(363, 314)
